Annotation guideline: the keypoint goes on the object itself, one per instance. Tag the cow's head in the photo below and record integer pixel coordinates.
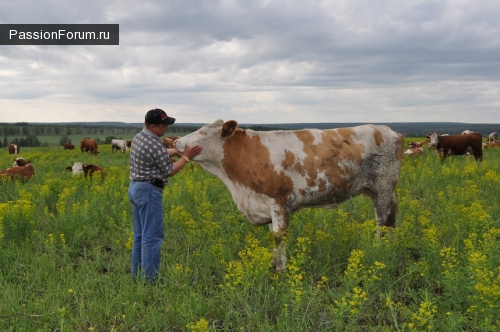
(77, 168)
(21, 162)
(433, 139)
(210, 137)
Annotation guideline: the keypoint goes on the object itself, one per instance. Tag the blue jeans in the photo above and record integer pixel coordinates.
(148, 228)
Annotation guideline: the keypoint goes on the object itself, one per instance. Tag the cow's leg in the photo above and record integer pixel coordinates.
(478, 154)
(386, 206)
(278, 227)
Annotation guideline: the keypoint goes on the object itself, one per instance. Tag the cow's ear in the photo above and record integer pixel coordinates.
(228, 128)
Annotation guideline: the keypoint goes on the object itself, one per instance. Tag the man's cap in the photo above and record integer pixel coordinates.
(158, 116)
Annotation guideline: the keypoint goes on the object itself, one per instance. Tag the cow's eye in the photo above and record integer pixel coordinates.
(202, 132)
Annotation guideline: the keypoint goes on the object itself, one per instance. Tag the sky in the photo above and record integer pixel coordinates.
(259, 62)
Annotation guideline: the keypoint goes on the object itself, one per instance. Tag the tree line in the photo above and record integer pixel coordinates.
(25, 129)
(26, 134)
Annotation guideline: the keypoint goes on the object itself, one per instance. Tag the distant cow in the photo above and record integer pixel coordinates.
(13, 149)
(168, 142)
(68, 146)
(487, 145)
(272, 174)
(415, 151)
(466, 132)
(492, 137)
(24, 172)
(89, 145)
(118, 144)
(90, 169)
(129, 143)
(413, 145)
(79, 168)
(457, 144)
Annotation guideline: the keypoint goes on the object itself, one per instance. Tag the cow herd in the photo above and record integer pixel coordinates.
(468, 142)
(23, 170)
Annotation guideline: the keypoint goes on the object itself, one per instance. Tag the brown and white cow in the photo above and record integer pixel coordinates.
(168, 142)
(487, 145)
(119, 144)
(20, 162)
(89, 145)
(22, 170)
(492, 137)
(457, 144)
(13, 149)
(68, 146)
(272, 174)
(79, 168)
(414, 151)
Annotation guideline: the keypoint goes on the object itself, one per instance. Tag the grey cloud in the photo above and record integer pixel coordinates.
(269, 60)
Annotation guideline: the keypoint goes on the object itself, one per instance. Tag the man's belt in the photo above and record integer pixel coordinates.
(155, 182)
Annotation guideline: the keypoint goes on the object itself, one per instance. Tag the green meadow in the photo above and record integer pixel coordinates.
(65, 246)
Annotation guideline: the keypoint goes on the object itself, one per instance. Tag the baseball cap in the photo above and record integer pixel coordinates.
(158, 116)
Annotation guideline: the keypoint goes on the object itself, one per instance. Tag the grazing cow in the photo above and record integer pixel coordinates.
(13, 149)
(89, 145)
(272, 174)
(467, 132)
(492, 137)
(68, 146)
(487, 145)
(457, 144)
(79, 168)
(415, 151)
(118, 144)
(23, 171)
(129, 143)
(90, 169)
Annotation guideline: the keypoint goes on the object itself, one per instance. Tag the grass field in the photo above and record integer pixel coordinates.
(65, 254)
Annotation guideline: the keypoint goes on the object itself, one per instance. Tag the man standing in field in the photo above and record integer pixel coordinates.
(150, 167)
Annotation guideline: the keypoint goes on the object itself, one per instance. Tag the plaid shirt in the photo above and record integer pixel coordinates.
(149, 158)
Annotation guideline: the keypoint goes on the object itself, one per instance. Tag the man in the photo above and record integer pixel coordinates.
(150, 167)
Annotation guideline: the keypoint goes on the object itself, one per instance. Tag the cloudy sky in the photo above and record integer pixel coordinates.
(259, 61)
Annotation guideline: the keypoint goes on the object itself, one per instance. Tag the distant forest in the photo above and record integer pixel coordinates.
(30, 131)
(26, 134)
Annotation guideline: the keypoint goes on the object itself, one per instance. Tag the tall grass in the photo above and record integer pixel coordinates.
(65, 255)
